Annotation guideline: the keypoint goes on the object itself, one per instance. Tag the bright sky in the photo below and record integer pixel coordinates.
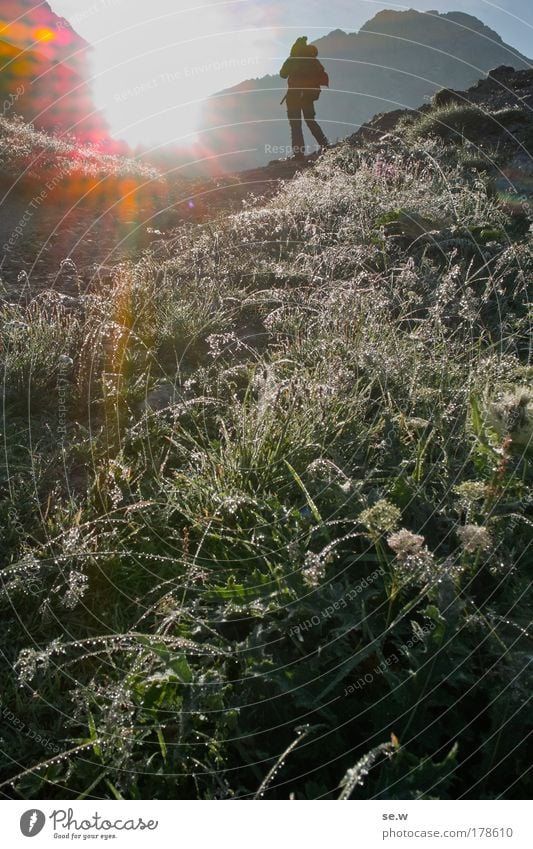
(156, 60)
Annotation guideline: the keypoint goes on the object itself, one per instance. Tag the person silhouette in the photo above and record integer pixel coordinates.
(305, 75)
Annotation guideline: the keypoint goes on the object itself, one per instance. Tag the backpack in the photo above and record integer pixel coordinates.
(300, 47)
(304, 70)
(322, 77)
(317, 77)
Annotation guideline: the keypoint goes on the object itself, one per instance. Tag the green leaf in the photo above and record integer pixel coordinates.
(114, 791)
(312, 506)
(181, 669)
(162, 744)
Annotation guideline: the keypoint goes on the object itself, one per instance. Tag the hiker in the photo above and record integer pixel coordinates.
(305, 75)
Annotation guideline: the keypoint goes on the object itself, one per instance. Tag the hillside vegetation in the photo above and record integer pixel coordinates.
(28, 153)
(266, 499)
(64, 199)
(61, 198)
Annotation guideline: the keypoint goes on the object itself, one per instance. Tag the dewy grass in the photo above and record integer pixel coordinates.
(25, 150)
(287, 383)
(461, 123)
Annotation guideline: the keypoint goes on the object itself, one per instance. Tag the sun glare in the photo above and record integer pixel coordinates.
(152, 69)
(153, 74)
(44, 34)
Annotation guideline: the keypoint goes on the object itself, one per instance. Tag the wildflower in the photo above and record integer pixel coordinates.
(415, 563)
(475, 538)
(384, 168)
(314, 571)
(223, 343)
(68, 264)
(406, 544)
(293, 550)
(471, 491)
(382, 517)
(76, 589)
(512, 416)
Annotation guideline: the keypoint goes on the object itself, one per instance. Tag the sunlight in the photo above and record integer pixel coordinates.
(43, 34)
(15, 31)
(153, 68)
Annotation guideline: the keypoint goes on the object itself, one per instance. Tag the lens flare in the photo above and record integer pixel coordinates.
(44, 34)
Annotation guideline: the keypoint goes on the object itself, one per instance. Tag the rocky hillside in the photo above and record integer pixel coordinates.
(396, 60)
(491, 122)
(488, 128)
(45, 72)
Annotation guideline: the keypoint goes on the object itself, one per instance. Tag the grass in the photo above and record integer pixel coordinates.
(455, 122)
(307, 574)
(49, 179)
(31, 153)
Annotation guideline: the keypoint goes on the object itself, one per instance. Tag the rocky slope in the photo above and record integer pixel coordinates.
(492, 121)
(396, 60)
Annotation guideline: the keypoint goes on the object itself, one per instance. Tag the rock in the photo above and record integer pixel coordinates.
(381, 125)
(502, 72)
(447, 97)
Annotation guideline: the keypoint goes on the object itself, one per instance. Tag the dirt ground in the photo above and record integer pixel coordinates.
(36, 240)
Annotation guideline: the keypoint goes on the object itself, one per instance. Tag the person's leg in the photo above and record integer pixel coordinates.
(294, 114)
(308, 107)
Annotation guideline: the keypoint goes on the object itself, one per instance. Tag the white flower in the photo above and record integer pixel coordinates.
(512, 415)
(383, 516)
(314, 570)
(475, 538)
(405, 544)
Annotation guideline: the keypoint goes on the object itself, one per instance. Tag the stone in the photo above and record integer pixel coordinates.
(447, 97)
(502, 72)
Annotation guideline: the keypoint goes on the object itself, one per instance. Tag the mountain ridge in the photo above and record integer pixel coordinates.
(373, 70)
